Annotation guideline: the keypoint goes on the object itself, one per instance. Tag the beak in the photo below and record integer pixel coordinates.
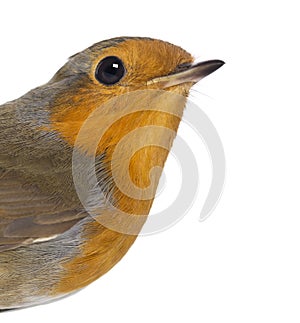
(187, 74)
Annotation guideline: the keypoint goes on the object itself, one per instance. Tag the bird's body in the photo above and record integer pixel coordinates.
(50, 245)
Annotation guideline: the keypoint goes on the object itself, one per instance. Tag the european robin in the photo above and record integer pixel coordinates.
(52, 242)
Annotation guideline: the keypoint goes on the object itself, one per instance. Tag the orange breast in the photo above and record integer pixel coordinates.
(102, 249)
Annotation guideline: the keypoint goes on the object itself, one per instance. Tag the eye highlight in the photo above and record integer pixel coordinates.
(110, 70)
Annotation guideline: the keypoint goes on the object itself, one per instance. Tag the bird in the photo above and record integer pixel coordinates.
(56, 235)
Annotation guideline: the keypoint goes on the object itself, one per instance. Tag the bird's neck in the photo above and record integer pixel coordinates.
(130, 137)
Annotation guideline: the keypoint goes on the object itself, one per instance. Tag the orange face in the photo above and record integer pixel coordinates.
(143, 60)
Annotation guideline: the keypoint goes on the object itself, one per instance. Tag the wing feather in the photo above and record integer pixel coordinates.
(26, 214)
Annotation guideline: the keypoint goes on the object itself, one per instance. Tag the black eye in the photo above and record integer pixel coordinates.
(110, 70)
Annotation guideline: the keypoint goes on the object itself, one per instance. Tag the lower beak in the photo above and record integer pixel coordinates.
(190, 74)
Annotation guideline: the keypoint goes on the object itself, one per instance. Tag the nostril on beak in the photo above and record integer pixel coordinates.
(182, 67)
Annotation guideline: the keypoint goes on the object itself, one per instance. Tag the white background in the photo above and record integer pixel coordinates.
(242, 263)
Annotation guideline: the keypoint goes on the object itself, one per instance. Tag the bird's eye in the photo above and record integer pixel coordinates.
(110, 70)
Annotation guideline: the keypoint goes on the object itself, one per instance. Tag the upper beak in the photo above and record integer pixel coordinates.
(190, 74)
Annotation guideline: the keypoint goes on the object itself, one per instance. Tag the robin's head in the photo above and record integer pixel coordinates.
(117, 66)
